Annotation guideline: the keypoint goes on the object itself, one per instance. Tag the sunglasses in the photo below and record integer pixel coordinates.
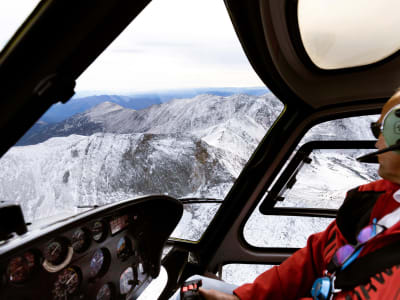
(342, 257)
(323, 288)
(376, 129)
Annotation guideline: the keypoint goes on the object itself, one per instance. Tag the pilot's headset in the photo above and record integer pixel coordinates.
(391, 133)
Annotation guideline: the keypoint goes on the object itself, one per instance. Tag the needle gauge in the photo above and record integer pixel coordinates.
(127, 281)
(99, 231)
(56, 251)
(106, 292)
(99, 263)
(67, 283)
(124, 248)
(80, 240)
(20, 268)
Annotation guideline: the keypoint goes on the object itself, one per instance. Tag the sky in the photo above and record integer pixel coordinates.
(172, 44)
(12, 14)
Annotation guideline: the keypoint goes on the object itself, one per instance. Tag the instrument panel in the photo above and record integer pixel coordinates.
(108, 253)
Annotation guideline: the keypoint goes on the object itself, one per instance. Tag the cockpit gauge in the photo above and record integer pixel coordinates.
(99, 262)
(106, 292)
(99, 231)
(127, 281)
(58, 254)
(124, 248)
(56, 251)
(67, 283)
(80, 240)
(20, 268)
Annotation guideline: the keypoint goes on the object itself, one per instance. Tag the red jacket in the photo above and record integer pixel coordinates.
(294, 277)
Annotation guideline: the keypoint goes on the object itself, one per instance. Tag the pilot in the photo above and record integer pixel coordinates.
(360, 242)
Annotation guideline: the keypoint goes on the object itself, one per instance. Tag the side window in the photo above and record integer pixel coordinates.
(324, 180)
(309, 199)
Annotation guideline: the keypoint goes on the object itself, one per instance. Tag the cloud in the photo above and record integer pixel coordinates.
(171, 44)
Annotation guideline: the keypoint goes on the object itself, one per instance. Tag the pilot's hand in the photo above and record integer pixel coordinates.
(216, 295)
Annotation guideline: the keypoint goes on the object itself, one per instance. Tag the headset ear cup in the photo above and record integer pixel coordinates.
(391, 127)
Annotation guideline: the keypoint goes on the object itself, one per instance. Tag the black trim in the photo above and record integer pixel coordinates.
(200, 200)
(331, 239)
(331, 248)
(302, 212)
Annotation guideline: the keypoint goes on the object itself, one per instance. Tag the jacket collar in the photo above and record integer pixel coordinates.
(354, 214)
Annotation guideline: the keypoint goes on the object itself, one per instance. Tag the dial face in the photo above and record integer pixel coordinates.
(99, 231)
(99, 262)
(106, 292)
(80, 240)
(20, 268)
(67, 283)
(124, 248)
(127, 281)
(56, 251)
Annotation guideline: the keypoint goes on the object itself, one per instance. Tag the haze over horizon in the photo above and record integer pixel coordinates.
(179, 50)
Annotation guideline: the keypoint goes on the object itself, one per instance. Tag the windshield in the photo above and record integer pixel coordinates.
(171, 107)
(12, 14)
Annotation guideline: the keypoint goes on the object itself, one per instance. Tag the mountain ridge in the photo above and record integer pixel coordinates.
(180, 115)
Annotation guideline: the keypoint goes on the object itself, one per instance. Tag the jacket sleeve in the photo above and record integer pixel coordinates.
(293, 279)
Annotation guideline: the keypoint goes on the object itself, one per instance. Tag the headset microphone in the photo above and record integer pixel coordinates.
(391, 134)
(372, 157)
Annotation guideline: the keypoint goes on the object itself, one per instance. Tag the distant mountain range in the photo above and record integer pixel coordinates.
(59, 112)
(177, 116)
(83, 101)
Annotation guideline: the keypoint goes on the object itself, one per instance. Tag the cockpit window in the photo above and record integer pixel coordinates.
(172, 107)
(341, 34)
(315, 190)
(12, 15)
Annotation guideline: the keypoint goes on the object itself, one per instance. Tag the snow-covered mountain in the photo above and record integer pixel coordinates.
(80, 103)
(64, 173)
(191, 147)
(84, 100)
(177, 116)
